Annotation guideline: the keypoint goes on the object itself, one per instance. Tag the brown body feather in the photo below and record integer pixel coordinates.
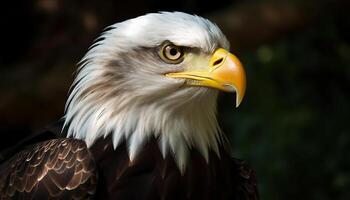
(150, 176)
(55, 169)
(66, 169)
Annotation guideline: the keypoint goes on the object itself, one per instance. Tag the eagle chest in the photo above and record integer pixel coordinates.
(150, 176)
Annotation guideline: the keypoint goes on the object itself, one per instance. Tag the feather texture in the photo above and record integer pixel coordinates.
(59, 168)
(150, 176)
(66, 169)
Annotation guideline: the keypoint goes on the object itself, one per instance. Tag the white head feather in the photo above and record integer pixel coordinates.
(120, 89)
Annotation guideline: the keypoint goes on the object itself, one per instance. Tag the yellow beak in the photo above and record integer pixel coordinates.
(225, 72)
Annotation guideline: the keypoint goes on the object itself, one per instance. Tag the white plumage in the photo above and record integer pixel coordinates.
(121, 90)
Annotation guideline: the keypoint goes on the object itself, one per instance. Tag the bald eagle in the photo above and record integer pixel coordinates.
(140, 121)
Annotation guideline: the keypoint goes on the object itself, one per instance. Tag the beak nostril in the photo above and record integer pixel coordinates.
(218, 61)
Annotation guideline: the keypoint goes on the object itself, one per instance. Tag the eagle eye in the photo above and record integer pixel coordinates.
(171, 53)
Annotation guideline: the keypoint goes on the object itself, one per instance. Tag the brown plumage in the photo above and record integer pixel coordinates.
(150, 176)
(66, 169)
(58, 168)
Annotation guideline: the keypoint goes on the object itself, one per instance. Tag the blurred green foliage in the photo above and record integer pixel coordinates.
(293, 124)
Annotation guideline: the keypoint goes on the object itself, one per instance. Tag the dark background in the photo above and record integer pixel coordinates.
(292, 126)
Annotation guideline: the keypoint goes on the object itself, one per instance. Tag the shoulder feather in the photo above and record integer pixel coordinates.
(58, 168)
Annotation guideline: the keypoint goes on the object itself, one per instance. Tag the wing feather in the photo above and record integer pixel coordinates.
(58, 168)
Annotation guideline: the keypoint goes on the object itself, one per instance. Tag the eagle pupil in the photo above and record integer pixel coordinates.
(173, 52)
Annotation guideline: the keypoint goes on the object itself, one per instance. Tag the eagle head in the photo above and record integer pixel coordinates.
(156, 75)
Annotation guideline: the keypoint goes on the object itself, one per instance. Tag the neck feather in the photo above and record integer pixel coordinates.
(178, 126)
